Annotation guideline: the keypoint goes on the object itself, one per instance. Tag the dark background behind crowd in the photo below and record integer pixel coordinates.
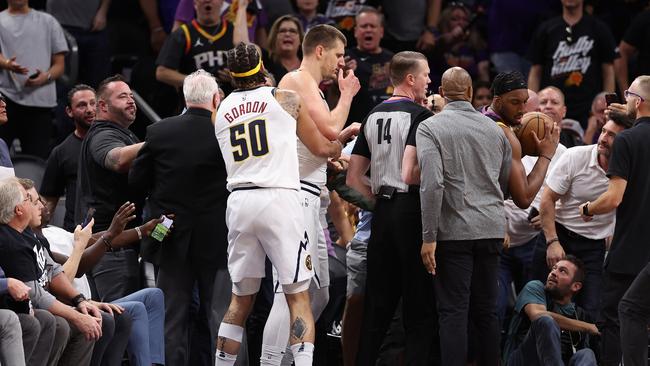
(604, 48)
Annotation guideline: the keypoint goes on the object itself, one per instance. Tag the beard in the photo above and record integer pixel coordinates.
(556, 292)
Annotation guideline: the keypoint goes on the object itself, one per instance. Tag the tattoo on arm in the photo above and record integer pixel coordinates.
(112, 159)
(290, 102)
(298, 328)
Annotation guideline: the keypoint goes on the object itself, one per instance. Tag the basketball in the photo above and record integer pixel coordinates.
(532, 121)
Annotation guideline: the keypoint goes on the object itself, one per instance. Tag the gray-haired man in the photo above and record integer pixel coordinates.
(181, 169)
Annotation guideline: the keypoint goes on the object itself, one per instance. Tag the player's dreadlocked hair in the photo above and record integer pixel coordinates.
(243, 60)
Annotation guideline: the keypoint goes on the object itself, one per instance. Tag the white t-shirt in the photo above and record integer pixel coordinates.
(62, 242)
(578, 178)
(33, 38)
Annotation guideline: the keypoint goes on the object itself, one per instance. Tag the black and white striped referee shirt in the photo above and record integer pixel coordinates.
(385, 132)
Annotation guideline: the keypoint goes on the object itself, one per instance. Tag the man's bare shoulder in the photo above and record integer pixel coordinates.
(297, 80)
(289, 100)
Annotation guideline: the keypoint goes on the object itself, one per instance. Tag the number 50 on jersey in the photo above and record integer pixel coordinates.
(249, 139)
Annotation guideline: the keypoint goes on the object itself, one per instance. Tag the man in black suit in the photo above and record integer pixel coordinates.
(181, 169)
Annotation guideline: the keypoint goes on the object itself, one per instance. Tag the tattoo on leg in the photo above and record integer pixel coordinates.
(221, 342)
(298, 328)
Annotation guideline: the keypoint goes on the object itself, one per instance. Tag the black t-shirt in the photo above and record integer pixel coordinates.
(638, 35)
(61, 176)
(630, 251)
(573, 61)
(192, 47)
(372, 71)
(18, 255)
(103, 189)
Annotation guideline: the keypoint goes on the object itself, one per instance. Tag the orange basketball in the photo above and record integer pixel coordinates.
(532, 121)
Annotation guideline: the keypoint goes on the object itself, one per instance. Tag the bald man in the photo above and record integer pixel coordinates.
(532, 104)
(463, 220)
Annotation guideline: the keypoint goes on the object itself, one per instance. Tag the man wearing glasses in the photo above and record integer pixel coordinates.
(627, 193)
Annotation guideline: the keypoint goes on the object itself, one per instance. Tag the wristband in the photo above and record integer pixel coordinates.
(157, 29)
(549, 242)
(49, 77)
(137, 230)
(546, 157)
(78, 299)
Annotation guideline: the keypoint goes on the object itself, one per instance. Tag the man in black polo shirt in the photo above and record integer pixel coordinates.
(629, 179)
(61, 172)
(106, 155)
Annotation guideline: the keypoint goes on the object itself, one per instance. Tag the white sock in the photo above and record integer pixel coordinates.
(303, 353)
(287, 360)
(271, 355)
(222, 358)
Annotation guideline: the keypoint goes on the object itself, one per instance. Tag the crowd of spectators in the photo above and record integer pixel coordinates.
(76, 295)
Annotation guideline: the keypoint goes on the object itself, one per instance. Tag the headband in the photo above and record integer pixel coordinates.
(253, 71)
(516, 82)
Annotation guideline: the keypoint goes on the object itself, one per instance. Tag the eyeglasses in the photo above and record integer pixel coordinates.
(34, 202)
(627, 94)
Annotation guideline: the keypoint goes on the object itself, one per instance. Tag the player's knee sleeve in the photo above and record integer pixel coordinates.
(231, 331)
(276, 329)
(294, 288)
(246, 287)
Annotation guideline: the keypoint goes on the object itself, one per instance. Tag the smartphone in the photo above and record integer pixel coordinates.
(89, 216)
(34, 75)
(160, 231)
(611, 98)
(533, 213)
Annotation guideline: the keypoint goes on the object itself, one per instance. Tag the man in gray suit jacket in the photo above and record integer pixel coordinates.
(464, 160)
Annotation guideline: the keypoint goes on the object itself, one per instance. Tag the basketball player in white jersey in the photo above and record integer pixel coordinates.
(256, 127)
(323, 50)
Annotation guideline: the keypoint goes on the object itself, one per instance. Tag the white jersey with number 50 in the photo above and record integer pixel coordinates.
(258, 140)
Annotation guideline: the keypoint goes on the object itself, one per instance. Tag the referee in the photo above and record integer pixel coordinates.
(386, 145)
